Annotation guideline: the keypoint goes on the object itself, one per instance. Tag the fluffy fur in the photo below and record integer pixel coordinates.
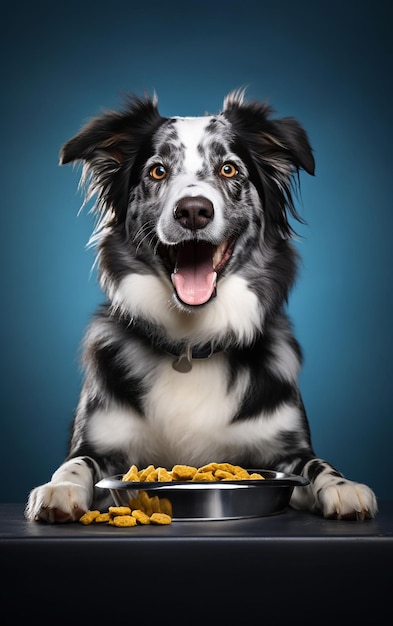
(193, 358)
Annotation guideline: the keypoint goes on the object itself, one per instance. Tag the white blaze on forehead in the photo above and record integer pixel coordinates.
(190, 131)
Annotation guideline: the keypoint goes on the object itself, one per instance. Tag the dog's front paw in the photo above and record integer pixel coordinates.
(348, 500)
(57, 502)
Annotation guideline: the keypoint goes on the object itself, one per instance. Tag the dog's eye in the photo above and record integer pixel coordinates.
(158, 172)
(228, 170)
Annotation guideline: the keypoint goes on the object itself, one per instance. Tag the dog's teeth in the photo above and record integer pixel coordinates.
(218, 254)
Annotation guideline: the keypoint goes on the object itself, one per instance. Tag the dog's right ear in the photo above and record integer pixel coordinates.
(101, 136)
(110, 147)
(114, 135)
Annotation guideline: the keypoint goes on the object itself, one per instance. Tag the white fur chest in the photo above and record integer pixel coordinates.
(191, 412)
(186, 415)
(188, 420)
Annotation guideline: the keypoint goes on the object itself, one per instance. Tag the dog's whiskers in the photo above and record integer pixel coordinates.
(143, 235)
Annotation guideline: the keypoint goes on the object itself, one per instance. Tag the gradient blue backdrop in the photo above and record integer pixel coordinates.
(327, 63)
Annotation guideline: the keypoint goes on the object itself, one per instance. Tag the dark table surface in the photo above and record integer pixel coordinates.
(291, 525)
(287, 565)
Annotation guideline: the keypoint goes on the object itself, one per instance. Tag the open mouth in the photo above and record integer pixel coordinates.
(194, 267)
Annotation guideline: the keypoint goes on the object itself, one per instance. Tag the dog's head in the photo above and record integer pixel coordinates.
(195, 198)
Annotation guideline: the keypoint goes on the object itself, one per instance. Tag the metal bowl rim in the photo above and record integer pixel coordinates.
(272, 478)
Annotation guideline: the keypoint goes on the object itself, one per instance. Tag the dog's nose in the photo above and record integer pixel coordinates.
(194, 212)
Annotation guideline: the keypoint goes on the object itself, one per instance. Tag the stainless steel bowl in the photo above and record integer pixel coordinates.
(214, 500)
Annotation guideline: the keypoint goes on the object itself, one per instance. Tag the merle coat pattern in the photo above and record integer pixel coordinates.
(193, 358)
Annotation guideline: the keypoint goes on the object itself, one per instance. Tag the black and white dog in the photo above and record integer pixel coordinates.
(193, 358)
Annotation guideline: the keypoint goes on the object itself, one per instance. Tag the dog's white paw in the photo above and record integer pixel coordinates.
(57, 502)
(346, 499)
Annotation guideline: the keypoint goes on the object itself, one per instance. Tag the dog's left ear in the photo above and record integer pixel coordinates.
(277, 148)
(283, 139)
(292, 140)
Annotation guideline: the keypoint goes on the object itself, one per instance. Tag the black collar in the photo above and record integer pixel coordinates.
(183, 362)
(184, 353)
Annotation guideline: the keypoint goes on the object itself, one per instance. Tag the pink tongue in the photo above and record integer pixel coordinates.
(194, 277)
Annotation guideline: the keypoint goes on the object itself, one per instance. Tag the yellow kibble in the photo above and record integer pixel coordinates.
(119, 510)
(124, 520)
(89, 517)
(183, 472)
(103, 517)
(160, 518)
(141, 516)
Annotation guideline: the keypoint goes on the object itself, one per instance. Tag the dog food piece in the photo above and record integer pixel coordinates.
(152, 476)
(210, 467)
(103, 517)
(143, 474)
(134, 503)
(131, 478)
(166, 506)
(160, 518)
(226, 467)
(132, 474)
(223, 475)
(183, 472)
(124, 520)
(234, 470)
(144, 501)
(89, 517)
(227, 471)
(155, 504)
(163, 476)
(242, 473)
(141, 516)
(204, 476)
(119, 510)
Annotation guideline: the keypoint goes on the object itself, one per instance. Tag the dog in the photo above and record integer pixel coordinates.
(193, 358)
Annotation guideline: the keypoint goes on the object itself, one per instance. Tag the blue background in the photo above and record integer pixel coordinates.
(327, 63)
